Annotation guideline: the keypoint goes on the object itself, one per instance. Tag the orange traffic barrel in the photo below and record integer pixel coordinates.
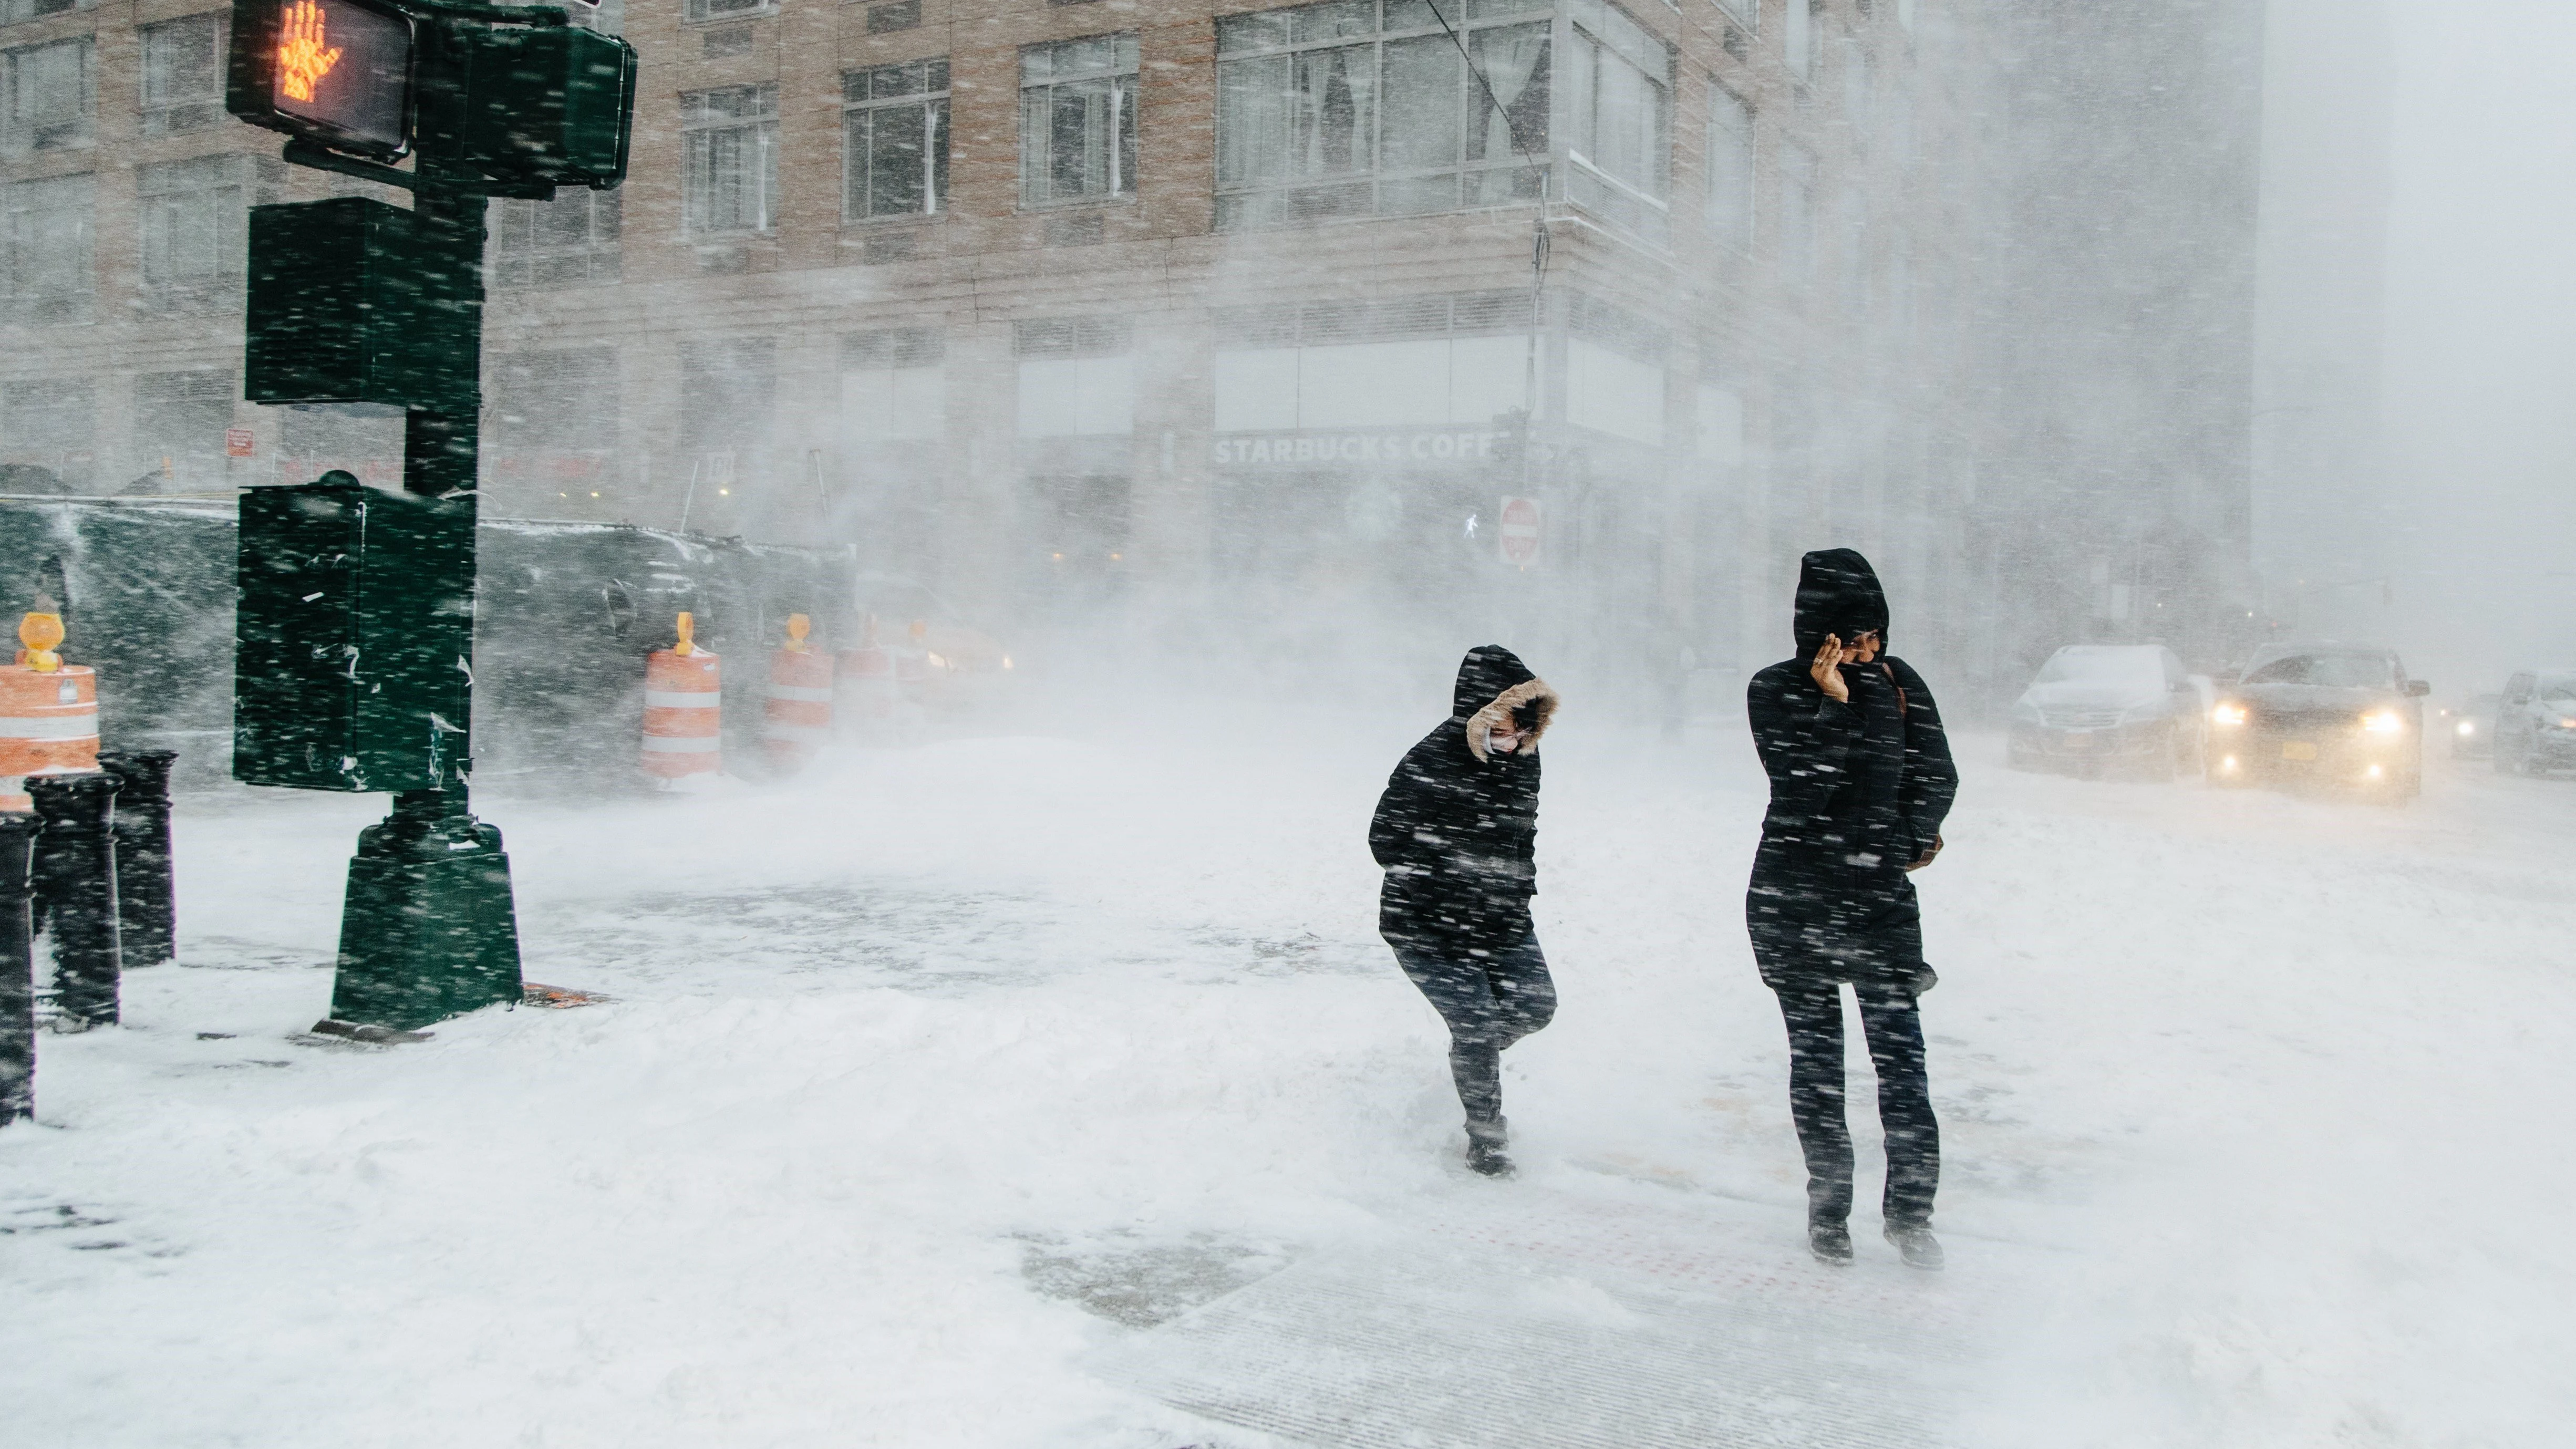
(48, 713)
(799, 708)
(683, 709)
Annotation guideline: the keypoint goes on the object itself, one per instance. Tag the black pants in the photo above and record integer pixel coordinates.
(1895, 1031)
(1490, 1000)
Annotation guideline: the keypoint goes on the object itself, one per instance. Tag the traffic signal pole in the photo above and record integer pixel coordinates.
(354, 636)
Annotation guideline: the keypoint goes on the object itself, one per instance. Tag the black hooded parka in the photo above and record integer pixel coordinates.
(1457, 829)
(1858, 793)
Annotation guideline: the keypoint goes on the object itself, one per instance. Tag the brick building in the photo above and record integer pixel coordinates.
(1058, 304)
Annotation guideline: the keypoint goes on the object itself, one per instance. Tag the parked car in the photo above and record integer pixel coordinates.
(2322, 714)
(2469, 725)
(2115, 706)
(2535, 723)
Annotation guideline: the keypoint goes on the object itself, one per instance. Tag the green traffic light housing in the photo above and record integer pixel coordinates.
(355, 301)
(506, 100)
(525, 109)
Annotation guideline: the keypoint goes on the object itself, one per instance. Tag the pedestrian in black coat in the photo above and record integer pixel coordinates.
(1861, 780)
(1455, 833)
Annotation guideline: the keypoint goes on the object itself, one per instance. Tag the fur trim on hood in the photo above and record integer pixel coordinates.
(1532, 692)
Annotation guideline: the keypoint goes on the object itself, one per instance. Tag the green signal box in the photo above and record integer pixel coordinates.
(351, 647)
(355, 301)
(529, 109)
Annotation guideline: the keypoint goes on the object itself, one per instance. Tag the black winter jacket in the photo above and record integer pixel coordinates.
(1457, 828)
(1858, 793)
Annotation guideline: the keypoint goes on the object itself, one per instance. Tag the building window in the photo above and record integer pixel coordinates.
(701, 12)
(730, 137)
(1617, 83)
(183, 74)
(1798, 44)
(1730, 168)
(894, 15)
(47, 248)
(555, 419)
(1461, 358)
(13, 11)
(51, 97)
(1358, 108)
(894, 140)
(893, 387)
(570, 241)
(179, 423)
(1797, 215)
(1746, 12)
(1077, 378)
(728, 395)
(1078, 120)
(1859, 90)
(191, 220)
(48, 423)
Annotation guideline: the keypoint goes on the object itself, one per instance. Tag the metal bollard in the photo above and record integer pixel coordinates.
(18, 831)
(75, 876)
(147, 910)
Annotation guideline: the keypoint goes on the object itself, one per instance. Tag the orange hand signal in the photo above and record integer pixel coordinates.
(301, 60)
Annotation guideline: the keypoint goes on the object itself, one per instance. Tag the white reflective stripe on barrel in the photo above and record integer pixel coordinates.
(80, 726)
(673, 699)
(798, 691)
(681, 744)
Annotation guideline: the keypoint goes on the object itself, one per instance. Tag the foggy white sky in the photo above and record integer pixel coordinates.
(2481, 340)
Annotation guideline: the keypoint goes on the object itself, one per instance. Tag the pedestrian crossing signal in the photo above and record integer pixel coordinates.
(334, 72)
(508, 101)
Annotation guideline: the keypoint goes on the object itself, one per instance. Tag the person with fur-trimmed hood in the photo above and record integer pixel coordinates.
(1861, 779)
(1455, 833)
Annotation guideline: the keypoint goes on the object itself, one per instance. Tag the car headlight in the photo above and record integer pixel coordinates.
(2567, 722)
(2228, 714)
(2468, 727)
(2383, 722)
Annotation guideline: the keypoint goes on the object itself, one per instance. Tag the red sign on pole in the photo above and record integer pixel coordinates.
(237, 443)
(1519, 532)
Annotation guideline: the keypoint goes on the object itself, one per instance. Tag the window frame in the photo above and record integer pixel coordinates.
(936, 106)
(14, 137)
(703, 12)
(33, 308)
(1037, 155)
(602, 250)
(1724, 101)
(1581, 88)
(1472, 107)
(698, 121)
(1799, 166)
(157, 199)
(155, 117)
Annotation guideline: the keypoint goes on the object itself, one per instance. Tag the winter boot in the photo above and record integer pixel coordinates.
(1830, 1242)
(1485, 1148)
(1916, 1245)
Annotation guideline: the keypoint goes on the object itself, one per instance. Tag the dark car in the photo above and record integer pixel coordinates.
(2322, 715)
(2469, 725)
(2093, 707)
(2535, 724)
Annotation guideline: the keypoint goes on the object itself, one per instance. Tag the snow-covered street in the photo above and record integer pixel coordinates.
(947, 1096)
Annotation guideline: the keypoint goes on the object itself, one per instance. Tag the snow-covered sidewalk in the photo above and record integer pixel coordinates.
(946, 1095)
